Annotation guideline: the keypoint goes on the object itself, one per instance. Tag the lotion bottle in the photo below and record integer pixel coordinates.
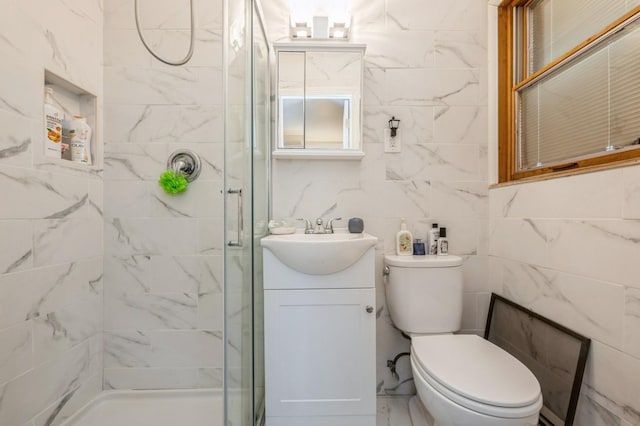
(404, 241)
(443, 243)
(77, 133)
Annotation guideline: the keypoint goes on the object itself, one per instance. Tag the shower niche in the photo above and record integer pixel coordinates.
(72, 100)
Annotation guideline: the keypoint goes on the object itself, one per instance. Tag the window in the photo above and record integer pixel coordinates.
(569, 85)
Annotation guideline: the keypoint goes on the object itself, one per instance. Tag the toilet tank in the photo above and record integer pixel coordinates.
(424, 293)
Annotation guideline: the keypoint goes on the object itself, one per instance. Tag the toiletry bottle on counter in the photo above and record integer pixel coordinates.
(443, 243)
(52, 126)
(432, 239)
(418, 248)
(77, 134)
(404, 241)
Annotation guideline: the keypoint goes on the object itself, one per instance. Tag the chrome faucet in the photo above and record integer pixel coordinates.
(318, 228)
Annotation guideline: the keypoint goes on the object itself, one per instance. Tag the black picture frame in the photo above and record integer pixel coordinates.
(581, 361)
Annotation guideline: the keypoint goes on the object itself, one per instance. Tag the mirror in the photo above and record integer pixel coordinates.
(319, 101)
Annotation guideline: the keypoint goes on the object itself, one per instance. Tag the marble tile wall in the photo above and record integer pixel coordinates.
(51, 225)
(163, 254)
(568, 248)
(426, 65)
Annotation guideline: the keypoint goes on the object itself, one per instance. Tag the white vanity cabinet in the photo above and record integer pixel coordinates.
(320, 345)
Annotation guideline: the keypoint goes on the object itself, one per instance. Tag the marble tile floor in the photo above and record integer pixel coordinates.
(393, 411)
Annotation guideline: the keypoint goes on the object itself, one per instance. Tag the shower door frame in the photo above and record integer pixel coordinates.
(242, 280)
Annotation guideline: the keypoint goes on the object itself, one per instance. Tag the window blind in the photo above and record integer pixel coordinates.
(588, 105)
(557, 26)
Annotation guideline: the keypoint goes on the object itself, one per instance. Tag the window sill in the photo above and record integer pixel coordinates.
(566, 173)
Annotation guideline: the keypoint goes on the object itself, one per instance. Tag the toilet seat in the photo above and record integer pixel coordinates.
(476, 374)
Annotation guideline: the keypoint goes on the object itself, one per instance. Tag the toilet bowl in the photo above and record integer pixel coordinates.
(466, 380)
(461, 380)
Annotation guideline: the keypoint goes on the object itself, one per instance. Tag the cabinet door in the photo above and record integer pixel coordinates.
(320, 352)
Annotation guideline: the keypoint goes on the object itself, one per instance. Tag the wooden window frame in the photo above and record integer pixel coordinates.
(507, 107)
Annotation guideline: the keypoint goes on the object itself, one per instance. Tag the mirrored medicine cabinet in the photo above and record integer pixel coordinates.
(319, 100)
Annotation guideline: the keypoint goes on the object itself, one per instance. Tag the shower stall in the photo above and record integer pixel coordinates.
(120, 303)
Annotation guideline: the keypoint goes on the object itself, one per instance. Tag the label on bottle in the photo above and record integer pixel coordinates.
(53, 132)
(404, 243)
(433, 247)
(54, 128)
(443, 246)
(433, 236)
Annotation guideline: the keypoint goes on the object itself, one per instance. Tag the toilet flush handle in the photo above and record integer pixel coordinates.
(386, 271)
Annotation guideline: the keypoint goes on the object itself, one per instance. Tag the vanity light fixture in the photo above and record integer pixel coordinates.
(393, 125)
(339, 30)
(299, 30)
(320, 28)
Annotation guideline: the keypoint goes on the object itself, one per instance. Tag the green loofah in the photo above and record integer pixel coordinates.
(173, 184)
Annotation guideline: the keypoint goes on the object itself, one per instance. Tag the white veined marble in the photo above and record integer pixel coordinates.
(17, 139)
(393, 411)
(164, 124)
(157, 349)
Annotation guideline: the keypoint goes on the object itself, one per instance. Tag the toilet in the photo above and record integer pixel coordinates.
(461, 380)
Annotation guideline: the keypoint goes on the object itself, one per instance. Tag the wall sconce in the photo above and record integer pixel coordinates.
(393, 125)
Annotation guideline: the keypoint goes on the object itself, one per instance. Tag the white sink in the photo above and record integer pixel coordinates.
(319, 254)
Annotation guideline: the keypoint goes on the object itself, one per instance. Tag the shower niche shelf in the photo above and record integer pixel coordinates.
(72, 100)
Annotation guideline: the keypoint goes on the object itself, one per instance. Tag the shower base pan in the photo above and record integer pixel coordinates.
(151, 408)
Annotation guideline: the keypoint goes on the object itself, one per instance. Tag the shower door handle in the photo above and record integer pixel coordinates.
(238, 242)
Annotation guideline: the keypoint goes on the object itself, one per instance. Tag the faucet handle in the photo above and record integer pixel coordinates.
(307, 225)
(329, 227)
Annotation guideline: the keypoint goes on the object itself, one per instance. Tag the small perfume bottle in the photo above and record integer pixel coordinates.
(443, 243)
(418, 248)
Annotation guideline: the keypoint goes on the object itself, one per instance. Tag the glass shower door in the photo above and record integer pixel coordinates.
(261, 95)
(246, 85)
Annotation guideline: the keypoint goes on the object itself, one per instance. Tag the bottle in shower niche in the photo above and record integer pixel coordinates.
(404, 241)
(432, 239)
(77, 134)
(443, 243)
(53, 118)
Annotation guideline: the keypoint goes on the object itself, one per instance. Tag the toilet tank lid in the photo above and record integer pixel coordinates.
(429, 261)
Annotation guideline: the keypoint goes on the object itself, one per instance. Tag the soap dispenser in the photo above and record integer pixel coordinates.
(404, 241)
